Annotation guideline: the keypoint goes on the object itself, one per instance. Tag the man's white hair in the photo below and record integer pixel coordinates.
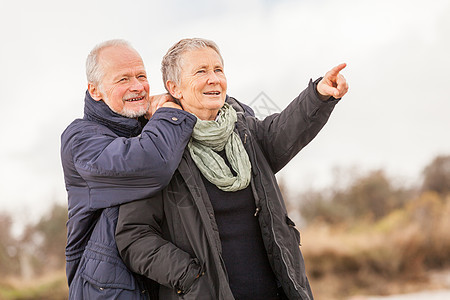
(94, 70)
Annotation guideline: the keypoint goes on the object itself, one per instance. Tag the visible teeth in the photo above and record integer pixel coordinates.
(212, 93)
(134, 99)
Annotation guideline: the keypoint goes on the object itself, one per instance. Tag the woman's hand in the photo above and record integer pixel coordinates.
(333, 84)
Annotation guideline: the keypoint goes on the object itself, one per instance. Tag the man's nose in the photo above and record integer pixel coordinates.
(136, 85)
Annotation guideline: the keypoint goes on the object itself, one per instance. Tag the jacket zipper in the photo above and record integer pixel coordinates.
(253, 188)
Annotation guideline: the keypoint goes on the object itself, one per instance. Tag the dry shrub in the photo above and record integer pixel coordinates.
(430, 214)
(370, 257)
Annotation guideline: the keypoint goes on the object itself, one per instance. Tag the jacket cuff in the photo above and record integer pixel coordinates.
(193, 271)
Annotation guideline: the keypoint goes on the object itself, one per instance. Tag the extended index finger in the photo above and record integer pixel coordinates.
(335, 71)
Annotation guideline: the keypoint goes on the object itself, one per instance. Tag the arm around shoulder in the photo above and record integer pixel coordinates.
(137, 166)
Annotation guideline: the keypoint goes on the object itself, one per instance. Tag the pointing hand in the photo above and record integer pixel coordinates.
(333, 84)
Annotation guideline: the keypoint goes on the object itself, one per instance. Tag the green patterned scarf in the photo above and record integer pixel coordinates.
(211, 136)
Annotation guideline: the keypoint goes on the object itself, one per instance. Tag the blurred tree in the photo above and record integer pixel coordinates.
(8, 247)
(46, 240)
(369, 196)
(318, 206)
(436, 176)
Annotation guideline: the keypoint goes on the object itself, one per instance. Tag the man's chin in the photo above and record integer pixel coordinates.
(133, 113)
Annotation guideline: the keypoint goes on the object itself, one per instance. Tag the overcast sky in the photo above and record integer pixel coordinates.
(395, 115)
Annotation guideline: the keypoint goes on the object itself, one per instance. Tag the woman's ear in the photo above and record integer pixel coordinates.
(173, 89)
(95, 92)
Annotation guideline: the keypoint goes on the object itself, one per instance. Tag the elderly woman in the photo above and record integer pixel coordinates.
(220, 229)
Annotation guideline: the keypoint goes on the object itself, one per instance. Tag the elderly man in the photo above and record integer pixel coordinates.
(220, 229)
(114, 155)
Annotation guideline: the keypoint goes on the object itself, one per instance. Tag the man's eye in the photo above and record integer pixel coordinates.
(123, 79)
(142, 76)
(218, 70)
(200, 71)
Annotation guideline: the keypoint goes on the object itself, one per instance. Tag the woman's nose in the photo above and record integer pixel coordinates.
(213, 78)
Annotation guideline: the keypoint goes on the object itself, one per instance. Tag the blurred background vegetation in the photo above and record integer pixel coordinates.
(370, 235)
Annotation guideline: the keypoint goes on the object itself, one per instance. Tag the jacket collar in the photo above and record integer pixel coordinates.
(99, 112)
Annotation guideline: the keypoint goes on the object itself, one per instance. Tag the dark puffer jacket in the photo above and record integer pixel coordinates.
(172, 237)
(109, 160)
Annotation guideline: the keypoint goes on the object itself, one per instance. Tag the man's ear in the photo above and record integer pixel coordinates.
(173, 89)
(95, 92)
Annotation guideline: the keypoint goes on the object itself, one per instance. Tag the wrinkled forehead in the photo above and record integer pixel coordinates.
(120, 59)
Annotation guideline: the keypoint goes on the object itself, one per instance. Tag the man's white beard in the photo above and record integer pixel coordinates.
(129, 113)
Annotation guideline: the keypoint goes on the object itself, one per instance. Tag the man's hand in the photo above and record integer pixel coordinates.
(162, 100)
(333, 84)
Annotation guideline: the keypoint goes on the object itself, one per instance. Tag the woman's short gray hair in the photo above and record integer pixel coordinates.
(171, 63)
(94, 71)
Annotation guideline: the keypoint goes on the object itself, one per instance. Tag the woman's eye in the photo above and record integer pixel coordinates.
(218, 70)
(200, 71)
(122, 79)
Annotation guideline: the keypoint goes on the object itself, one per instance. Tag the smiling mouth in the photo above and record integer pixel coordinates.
(212, 93)
(134, 99)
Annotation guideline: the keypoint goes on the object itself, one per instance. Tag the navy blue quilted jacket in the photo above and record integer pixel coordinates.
(109, 160)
